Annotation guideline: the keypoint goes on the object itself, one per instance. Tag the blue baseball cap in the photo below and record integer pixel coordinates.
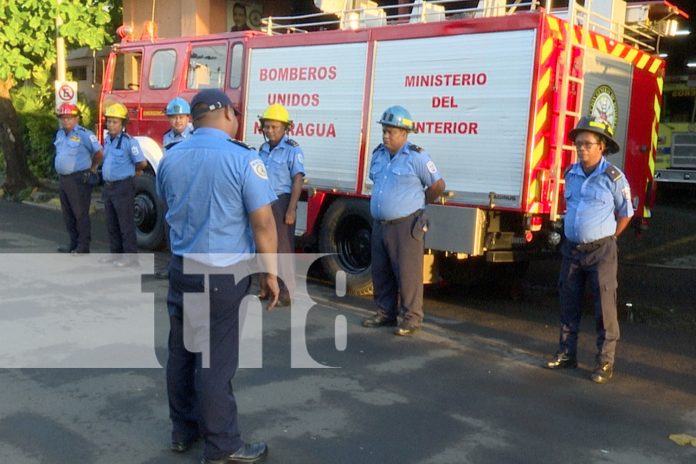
(209, 100)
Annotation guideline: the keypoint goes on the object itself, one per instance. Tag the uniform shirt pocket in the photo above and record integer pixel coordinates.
(402, 174)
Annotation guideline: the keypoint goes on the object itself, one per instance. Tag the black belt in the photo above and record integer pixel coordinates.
(591, 246)
(76, 173)
(401, 219)
(111, 183)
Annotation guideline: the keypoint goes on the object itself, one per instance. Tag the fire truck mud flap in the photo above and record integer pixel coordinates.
(345, 233)
(149, 213)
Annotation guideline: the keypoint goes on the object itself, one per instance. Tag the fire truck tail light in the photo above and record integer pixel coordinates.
(535, 223)
(528, 236)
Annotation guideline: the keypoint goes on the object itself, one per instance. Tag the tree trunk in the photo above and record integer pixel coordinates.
(17, 176)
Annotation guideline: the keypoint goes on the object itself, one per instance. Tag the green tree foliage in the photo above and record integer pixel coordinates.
(27, 32)
(28, 51)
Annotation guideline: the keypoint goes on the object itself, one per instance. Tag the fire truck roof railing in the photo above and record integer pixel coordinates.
(641, 24)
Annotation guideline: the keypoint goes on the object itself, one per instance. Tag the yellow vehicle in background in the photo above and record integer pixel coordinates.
(676, 154)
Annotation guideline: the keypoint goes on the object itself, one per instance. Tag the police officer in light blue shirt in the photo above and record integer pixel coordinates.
(178, 113)
(219, 207)
(78, 154)
(284, 162)
(598, 201)
(123, 158)
(405, 179)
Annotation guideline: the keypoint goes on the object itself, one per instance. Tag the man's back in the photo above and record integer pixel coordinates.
(210, 184)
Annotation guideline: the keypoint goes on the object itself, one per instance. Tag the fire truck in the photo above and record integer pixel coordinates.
(676, 155)
(494, 91)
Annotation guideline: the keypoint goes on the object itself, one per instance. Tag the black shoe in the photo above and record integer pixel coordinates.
(603, 373)
(250, 452)
(162, 275)
(406, 329)
(562, 361)
(379, 319)
(65, 249)
(182, 446)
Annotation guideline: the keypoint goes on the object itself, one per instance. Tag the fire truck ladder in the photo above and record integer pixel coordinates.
(573, 59)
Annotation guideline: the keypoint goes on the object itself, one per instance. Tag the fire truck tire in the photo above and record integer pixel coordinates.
(346, 231)
(149, 213)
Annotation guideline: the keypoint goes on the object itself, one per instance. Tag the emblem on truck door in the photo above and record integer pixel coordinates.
(603, 105)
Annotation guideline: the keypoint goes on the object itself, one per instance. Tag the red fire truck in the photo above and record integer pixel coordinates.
(493, 98)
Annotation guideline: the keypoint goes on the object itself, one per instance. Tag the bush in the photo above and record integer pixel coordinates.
(39, 132)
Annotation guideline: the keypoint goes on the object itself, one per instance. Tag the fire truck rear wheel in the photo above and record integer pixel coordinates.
(346, 231)
(149, 214)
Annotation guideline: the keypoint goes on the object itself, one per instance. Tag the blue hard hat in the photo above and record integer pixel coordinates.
(397, 116)
(177, 106)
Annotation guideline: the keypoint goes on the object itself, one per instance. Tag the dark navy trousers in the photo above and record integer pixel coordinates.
(201, 400)
(75, 197)
(596, 270)
(286, 243)
(397, 266)
(119, 200)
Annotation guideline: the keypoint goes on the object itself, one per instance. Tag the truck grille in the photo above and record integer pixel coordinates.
(684, 150)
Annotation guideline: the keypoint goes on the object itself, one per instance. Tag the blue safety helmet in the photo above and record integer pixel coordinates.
(397, 116)
(178, 106)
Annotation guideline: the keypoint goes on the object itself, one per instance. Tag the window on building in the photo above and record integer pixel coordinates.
(162, 69)
(78, 73)
(236, 65)
(206, 68)
(127, 71)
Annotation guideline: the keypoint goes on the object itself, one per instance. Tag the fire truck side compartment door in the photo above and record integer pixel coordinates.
(323, 87)
(469, 96)
(464, 231)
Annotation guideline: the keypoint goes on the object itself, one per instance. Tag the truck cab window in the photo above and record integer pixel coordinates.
(236, 65)
(127, 71)
(162, 69)
(206, 67)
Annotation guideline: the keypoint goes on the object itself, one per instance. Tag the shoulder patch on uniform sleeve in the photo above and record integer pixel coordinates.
(292, 143)
(431, 167)
(259, 169)
(300, 157)
(613, 173)
(134, 150)
(241, 144)
(416, 148)
(93, 138)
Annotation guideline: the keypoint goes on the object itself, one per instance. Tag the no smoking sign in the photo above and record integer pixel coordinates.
(66, 92)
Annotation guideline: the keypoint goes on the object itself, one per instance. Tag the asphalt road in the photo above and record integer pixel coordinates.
(467, 389)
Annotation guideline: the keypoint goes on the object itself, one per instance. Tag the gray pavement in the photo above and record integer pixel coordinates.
(467, 389)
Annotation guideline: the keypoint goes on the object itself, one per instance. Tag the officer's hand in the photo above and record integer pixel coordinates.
(290, 217)
(271, 285)
(93, 179)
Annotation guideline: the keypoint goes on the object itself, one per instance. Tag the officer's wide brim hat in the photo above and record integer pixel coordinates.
(587, 124)
(209, 100)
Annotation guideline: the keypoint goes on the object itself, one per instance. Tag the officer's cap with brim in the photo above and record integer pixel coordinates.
(596, 126)
(209, 100)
